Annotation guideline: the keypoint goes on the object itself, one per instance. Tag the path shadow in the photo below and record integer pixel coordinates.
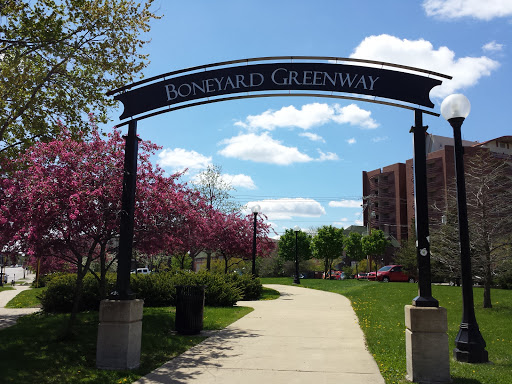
(197, 360)
(9, 317)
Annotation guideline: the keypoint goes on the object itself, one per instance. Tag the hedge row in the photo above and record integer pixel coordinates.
(156, 289)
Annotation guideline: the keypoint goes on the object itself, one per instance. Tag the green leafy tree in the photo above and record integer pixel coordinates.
(375, 244)
(407, 254)
(328, 246)
(287, 245)
(58, 59)
(354, 248)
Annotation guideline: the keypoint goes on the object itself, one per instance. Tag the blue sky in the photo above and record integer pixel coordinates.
(301, 159)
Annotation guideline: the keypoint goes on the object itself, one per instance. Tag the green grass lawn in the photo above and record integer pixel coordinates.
(380, 309)
(26, 299)
(269, 294)
(33, 351)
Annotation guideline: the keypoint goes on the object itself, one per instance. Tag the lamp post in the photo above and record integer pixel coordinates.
(469, 343)
(255, 210)
(1, 272)
(424, 298)
(296, 229)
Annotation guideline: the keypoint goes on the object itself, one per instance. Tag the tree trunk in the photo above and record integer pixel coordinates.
(80, 274)
(103, 272)
(208, 260)
(487, 284)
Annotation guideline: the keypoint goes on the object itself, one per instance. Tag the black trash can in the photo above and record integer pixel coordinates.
(189, 309)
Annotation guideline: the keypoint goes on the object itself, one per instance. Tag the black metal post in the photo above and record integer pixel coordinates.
(297, 279)
(469, 343)
(424, 298)
(254, 246)
(124, 257)
(1, 272)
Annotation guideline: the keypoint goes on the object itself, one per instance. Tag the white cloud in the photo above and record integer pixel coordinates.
(312, 136)
(178, 159)
(379, 138)
(478, 9)
(343, 222)
(239, 180)
(286, 209)
(493, 46)
(352, 140)
(353, 115)
(466, 71)
(345, 204)
(327, 156)
(309, 116)
(264, 149)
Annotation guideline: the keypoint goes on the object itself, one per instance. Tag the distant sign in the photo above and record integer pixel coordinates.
(307, 76)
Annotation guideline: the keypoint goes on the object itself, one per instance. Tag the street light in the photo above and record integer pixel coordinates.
(296, 229)
(255, 210)
(1, 274)
(469, 343)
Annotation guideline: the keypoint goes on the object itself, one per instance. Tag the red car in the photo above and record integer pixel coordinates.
(393, 273)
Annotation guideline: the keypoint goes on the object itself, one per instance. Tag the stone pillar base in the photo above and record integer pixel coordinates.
(119, 334)
(426, 344)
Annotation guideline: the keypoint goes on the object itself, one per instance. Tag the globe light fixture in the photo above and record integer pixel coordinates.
(469, 343)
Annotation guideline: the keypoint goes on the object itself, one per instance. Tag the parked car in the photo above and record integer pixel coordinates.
(393, 273)
(144, 271)
(335, 275)
(361, 276)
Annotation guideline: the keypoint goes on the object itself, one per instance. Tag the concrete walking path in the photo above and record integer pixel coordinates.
(305, 336)
(9, 316)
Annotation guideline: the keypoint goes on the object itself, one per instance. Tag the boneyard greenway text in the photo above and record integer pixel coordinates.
(278, 77)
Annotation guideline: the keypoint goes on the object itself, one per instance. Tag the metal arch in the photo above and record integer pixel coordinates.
(276, 58)
(229, 98)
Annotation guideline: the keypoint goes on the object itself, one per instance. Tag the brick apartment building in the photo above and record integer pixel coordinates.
(388, 193)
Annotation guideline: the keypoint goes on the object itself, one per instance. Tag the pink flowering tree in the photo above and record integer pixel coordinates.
(61, 200)
(231, 236)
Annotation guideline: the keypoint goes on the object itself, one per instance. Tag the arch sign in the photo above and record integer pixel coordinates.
(342, 78)
(365, 80)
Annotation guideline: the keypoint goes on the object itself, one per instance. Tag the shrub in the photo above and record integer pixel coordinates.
(504, 280)
(156, 289)
(45, 279)
(250, 286)
(219, 291)
(60, 293)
